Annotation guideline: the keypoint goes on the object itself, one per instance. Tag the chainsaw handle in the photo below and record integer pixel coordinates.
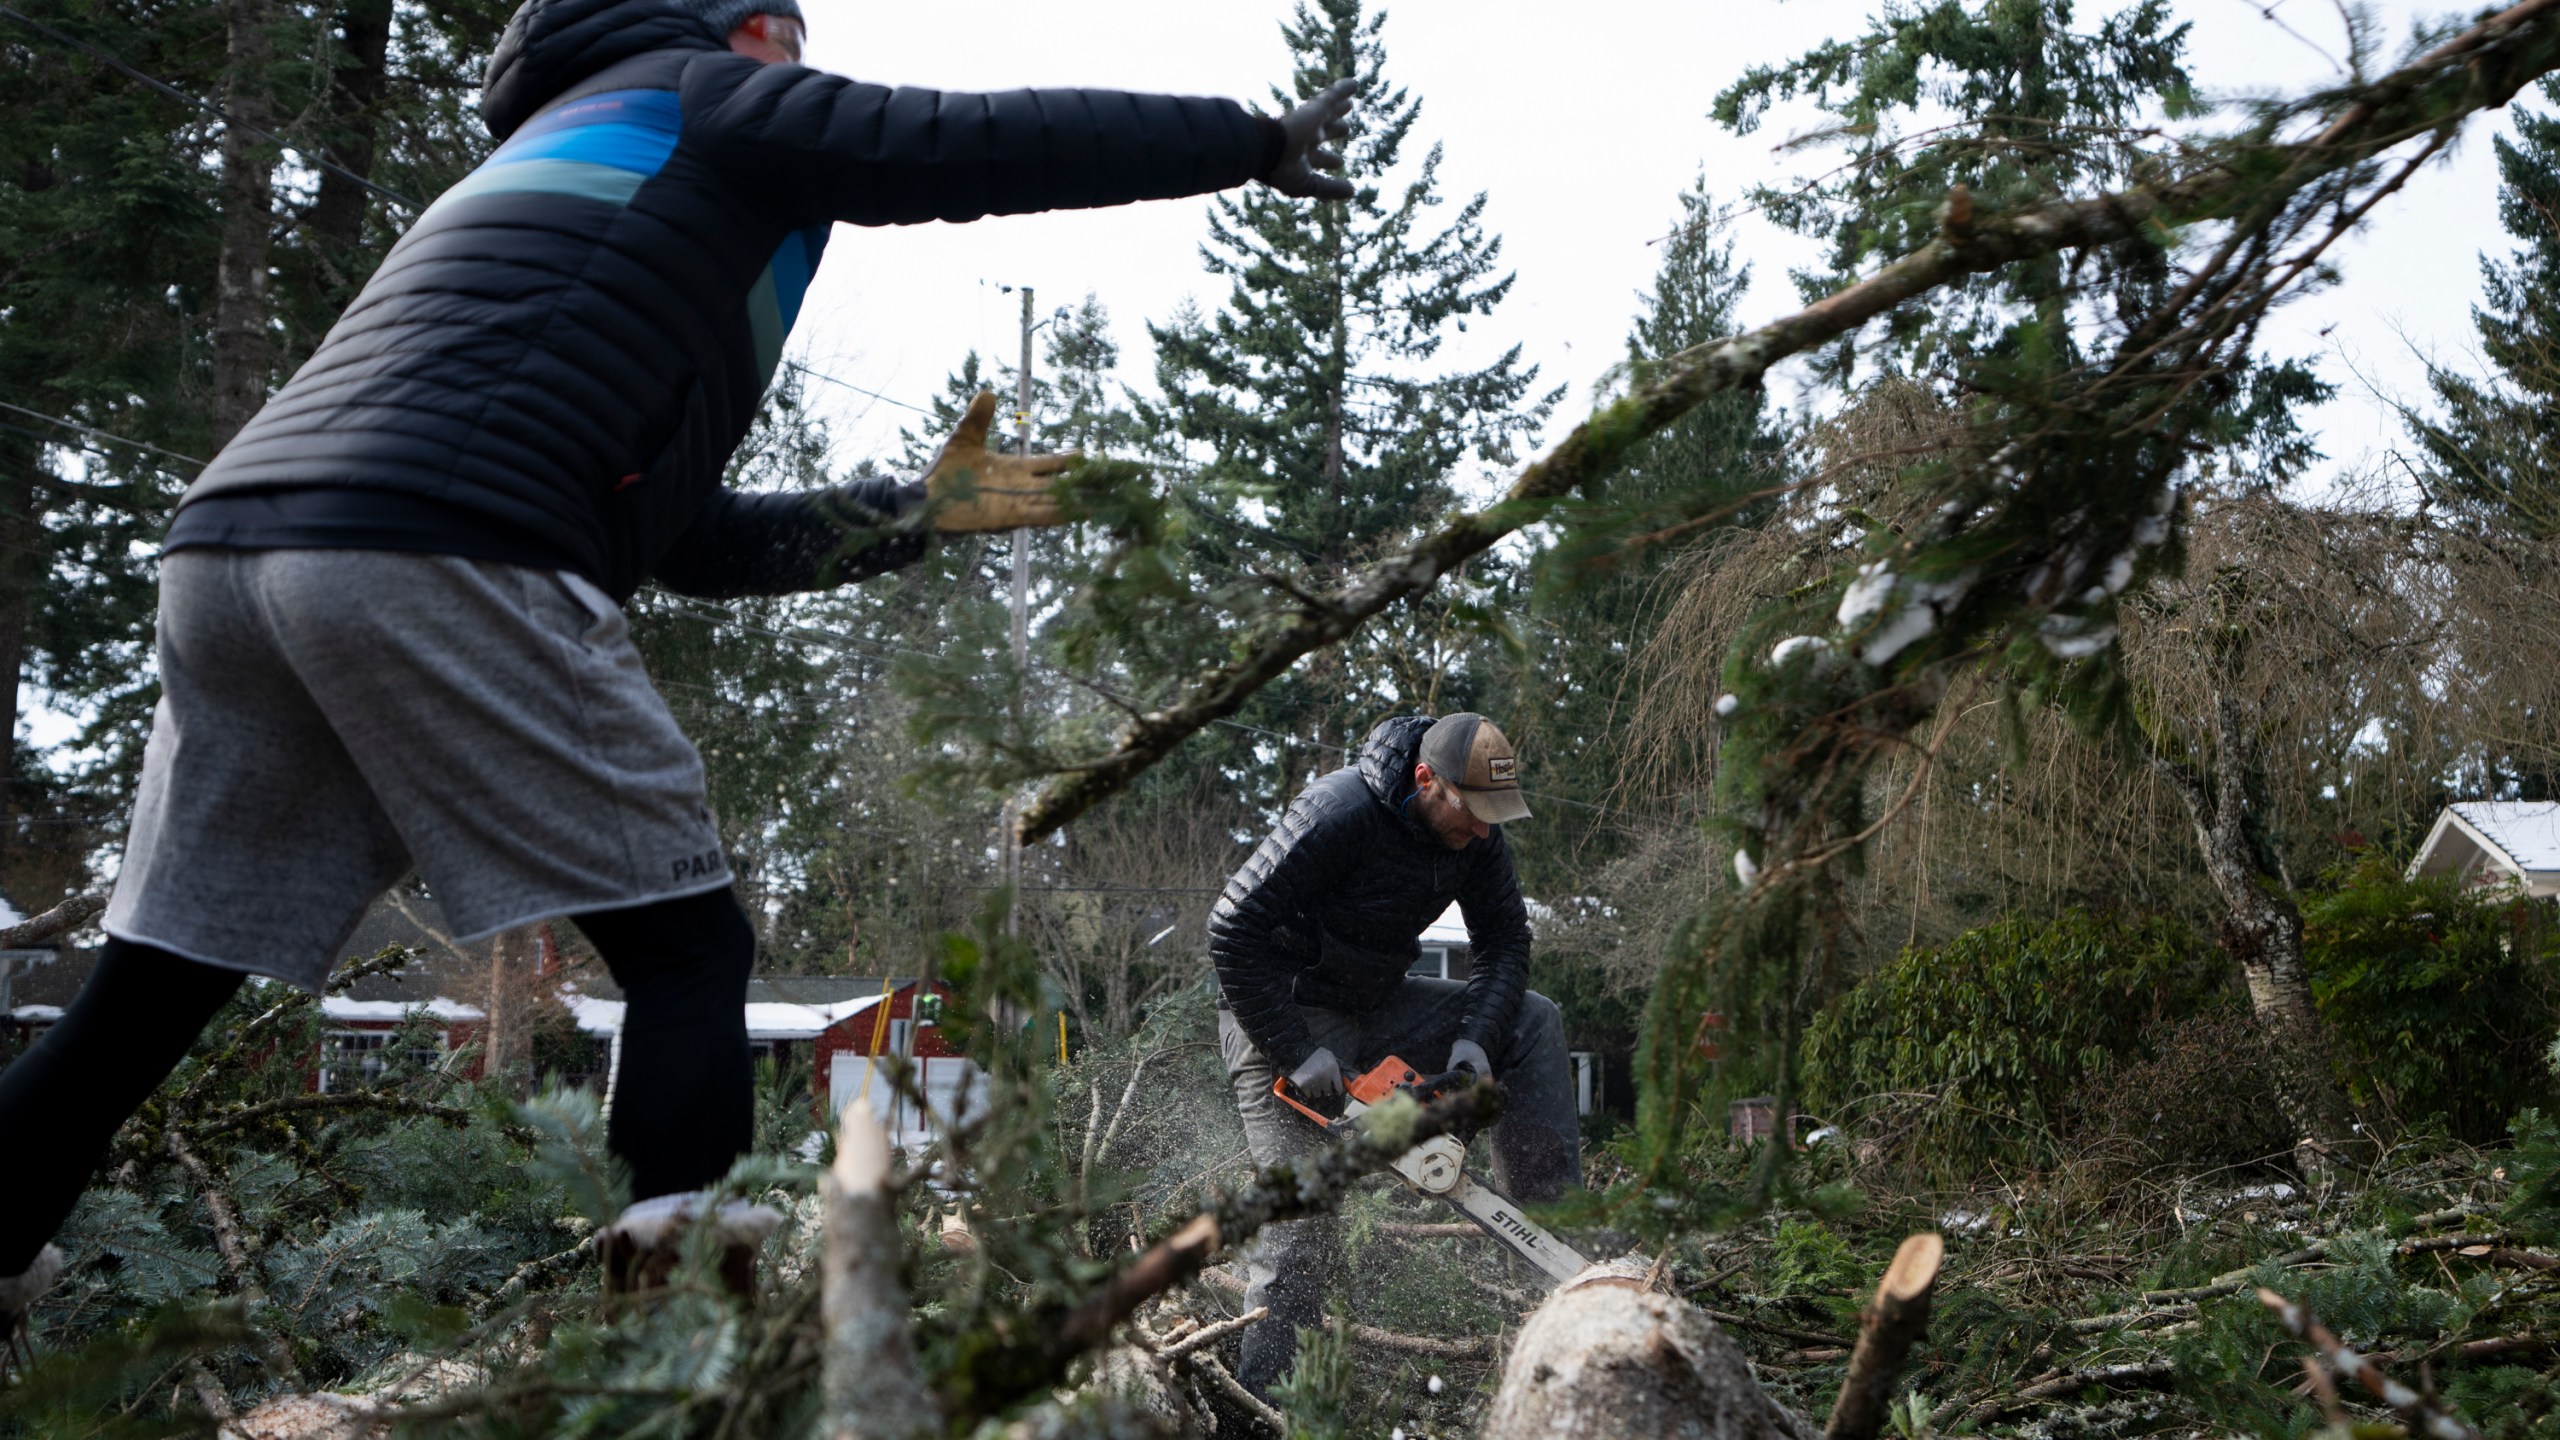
(1434, 1086)
(1280, 1086)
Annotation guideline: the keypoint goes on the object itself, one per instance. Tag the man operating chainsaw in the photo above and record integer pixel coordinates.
(1313, 940)
(391, 634)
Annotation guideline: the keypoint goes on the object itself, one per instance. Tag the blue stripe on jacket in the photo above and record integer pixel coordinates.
(602, 148)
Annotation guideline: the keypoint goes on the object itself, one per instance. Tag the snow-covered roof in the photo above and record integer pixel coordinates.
(1451, 927)
(765, 1020)
(392, 1012)
(2494, 841)
(36, 1014)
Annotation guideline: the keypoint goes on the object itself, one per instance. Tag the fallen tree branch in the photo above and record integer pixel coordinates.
(1228, 1385)
(531, 1270)
(2139, 1373)
(2424, 1415)
(2482, 67)
(1035, 1355)
(1887, 1329)
(1770, 1327)
(1436, 1346)
(1211, 1334)
(2163, 1305)
(347, 1100)
(228, 1240)
(70, 915)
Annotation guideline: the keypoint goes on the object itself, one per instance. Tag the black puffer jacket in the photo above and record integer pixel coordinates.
(1328, 910)
(560, 356)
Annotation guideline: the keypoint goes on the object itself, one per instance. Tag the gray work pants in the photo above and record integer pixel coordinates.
(1537, 1148)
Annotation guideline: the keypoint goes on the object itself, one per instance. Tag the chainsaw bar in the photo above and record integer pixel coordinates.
(1438, 1168)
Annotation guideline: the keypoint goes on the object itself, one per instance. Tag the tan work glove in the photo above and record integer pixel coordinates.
(970, 489)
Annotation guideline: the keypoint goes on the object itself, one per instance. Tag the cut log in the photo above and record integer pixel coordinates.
(1607, 1357)
(1886, 1332)
(310, 1417)
(873, 1389)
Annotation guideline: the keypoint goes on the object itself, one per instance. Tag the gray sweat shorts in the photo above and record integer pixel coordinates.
(331, 719)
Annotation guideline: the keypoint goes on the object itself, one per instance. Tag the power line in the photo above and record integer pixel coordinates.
(94, 433)
(856, 389)
(316, 158)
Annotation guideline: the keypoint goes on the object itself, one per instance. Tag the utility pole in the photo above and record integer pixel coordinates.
(1021, 620)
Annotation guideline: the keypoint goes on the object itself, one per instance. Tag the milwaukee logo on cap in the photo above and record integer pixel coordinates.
(1468, 751)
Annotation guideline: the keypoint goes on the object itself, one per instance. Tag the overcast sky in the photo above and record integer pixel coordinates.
(1580, 122)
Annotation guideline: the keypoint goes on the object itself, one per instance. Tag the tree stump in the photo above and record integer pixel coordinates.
(1607, 1357)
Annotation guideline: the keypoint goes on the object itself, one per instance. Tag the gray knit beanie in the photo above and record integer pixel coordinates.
(724, 16)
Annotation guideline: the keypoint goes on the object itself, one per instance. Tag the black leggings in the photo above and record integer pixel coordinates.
(684, 1105)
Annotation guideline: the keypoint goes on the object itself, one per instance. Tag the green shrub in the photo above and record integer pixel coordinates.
(2440, 999)
(1998, 1027)
(2201, 1096)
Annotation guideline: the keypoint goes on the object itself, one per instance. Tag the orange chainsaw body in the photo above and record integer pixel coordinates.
(1380, 1081)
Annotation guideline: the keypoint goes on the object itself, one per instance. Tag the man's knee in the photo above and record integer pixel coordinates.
(1537, 1031)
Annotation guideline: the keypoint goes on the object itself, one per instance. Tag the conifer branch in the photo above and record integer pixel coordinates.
(348, 1100)
(2247, 183)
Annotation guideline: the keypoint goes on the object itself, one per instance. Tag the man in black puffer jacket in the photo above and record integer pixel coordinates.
(1313, 941)
(390, 626)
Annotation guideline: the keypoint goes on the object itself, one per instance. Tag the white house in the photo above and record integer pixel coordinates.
(2496, 842)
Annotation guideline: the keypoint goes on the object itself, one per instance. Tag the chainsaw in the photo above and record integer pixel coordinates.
(1437, 1167)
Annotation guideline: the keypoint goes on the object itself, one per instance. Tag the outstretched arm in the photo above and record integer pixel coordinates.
(780, 542)
(774, 544)
(881, 155)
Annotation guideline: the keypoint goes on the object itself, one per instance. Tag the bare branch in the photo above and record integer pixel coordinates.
(2480, 68)
(70, 915)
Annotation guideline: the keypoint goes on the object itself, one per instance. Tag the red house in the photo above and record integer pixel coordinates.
(849, 1064)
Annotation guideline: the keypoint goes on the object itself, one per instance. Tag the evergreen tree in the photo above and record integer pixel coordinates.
(125, 221)
(2495, 451)
(2036, 108)
(1308, 402)
(1591, 602)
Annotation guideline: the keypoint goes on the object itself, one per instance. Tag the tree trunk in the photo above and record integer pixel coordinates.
(242, 345)
(1605, 1357)
(2262, 928)
(337, 212)
(22, 572)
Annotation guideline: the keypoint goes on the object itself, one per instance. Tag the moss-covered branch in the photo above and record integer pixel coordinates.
(1032, 1355)
(2242, 180)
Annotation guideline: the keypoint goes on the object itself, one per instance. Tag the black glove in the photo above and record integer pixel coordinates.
(1323, 118)
(1319, 1077)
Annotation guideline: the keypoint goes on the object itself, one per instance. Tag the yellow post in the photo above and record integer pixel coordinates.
(1062, 1037)
(879, 1031)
